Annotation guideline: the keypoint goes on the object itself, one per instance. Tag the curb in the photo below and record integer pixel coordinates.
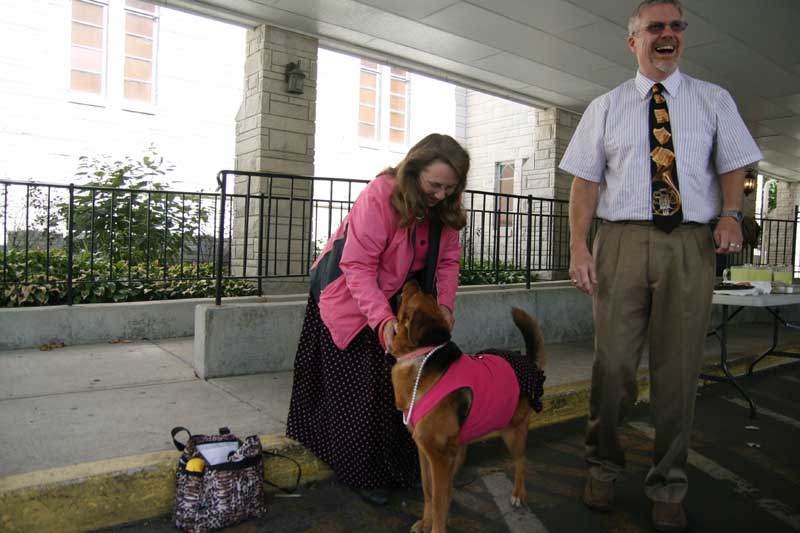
(107, 493)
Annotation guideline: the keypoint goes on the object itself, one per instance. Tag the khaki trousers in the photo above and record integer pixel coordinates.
(654, 291)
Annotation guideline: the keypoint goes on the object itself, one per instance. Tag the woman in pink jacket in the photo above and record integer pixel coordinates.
(342, 406)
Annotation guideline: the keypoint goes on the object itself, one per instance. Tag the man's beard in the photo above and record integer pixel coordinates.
(667, 66)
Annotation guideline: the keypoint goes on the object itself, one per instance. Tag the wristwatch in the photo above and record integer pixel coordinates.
(733, 213)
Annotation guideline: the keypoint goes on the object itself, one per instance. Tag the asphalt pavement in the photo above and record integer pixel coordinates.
(744, 476)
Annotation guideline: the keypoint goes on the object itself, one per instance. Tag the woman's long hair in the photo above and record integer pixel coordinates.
(408, 198)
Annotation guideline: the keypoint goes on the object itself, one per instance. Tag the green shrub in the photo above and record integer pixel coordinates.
(98, 281)
(473, 273)
(128, 210)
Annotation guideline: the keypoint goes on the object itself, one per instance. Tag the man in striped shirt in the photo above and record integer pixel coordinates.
(652, 288)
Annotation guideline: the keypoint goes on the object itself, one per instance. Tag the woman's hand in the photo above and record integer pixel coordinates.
(389, 331)
(448, 316)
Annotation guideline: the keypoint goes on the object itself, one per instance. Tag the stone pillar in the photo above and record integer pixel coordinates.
(542, 178)
(275, 133)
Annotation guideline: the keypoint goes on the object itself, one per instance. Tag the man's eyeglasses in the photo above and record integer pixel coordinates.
(656, 28)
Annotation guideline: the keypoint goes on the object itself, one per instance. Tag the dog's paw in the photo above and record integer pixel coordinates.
(518, 501)
(419, 527)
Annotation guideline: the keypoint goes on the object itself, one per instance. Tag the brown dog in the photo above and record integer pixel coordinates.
(450, 411)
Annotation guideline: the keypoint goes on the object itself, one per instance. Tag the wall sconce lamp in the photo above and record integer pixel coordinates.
(750, 183)
(294, 78)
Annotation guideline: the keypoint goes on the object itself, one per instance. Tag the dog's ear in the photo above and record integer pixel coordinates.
(427, 330)
(401, 343)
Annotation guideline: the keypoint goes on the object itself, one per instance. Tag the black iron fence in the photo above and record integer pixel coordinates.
(72, 243)
(282, 222)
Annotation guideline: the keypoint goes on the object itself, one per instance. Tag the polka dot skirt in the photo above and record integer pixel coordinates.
(342, 408)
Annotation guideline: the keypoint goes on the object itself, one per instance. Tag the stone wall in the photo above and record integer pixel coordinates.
(461, 115)
(497, 131)
(534, 140)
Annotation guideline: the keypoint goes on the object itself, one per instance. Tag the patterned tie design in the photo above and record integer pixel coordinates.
(667, 213)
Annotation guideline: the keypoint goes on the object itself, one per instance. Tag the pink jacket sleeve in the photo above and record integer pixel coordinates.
(370, 229)
(447, 267)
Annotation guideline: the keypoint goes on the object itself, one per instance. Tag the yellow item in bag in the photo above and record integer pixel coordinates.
(195, 464)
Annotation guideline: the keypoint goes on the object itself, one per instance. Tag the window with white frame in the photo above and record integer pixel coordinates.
(398, 107)
(113, 52)
(88, 47)
(140, 24)
(504, 177)
(383, 105)
(368, 97)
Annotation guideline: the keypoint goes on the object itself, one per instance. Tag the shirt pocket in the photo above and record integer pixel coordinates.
(694, 148)
(626, 144)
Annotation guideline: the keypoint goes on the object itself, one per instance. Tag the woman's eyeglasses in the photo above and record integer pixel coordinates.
(433, 186)
(656, 28)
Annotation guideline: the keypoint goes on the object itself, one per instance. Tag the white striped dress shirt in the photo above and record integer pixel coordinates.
(611, 146)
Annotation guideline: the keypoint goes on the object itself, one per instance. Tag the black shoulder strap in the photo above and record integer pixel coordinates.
(433, 255)
(266, 453)
(179, 429)
(179, 445)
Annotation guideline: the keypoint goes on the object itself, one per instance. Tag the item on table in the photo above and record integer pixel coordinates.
(783, 274)
(733, 286)
(782, 288)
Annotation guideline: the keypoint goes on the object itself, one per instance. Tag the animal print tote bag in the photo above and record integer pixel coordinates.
(219, 481)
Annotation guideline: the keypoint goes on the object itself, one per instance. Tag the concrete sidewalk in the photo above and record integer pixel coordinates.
(85, 441)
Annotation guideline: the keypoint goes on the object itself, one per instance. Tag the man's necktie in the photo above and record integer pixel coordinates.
(667, 213)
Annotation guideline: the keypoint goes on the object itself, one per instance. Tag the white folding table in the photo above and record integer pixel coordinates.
(770, 303)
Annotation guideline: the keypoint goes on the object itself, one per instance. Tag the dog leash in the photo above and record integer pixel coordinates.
(407, 417)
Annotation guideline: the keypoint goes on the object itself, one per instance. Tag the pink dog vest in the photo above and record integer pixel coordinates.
(495, 393)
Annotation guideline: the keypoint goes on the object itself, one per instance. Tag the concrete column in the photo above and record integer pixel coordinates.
(275, 133)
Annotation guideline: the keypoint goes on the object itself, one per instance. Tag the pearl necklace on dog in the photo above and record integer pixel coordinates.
(407, 416)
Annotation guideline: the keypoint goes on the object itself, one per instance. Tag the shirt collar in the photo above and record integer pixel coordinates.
(671, 84)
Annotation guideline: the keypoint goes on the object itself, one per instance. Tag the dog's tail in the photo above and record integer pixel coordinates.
(534, 342)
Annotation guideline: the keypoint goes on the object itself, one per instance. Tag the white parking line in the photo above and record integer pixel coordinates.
(518, 520)
(767, 412)
(776, 508)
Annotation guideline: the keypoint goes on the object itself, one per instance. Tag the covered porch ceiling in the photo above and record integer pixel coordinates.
(560, 53)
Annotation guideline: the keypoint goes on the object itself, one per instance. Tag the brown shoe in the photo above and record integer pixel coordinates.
(668, 516)
(598, 495)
